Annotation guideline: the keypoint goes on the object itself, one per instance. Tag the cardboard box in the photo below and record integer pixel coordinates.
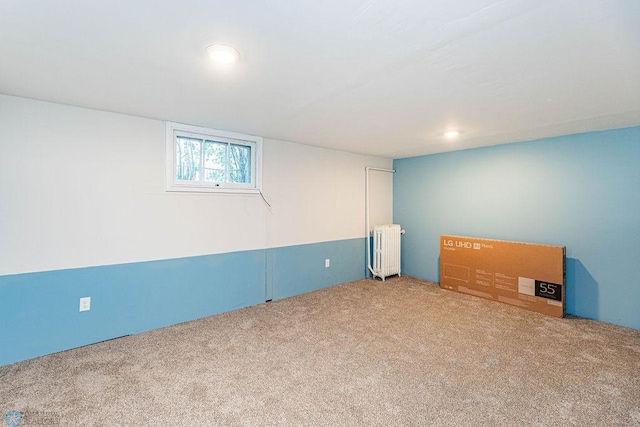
(526, 275)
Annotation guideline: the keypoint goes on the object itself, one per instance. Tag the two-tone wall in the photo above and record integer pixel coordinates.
(84, 212)
(581, 191)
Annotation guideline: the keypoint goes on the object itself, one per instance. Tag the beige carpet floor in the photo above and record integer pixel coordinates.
(401, 352)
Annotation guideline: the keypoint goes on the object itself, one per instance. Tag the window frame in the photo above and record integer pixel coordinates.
(174, 130)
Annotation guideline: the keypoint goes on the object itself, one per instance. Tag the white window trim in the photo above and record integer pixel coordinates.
(219, 135)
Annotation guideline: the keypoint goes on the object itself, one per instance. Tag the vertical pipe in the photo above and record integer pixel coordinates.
(366, 211)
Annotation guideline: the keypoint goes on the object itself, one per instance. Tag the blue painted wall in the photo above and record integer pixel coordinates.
(581, 191)
(299, 269)
(40, 311)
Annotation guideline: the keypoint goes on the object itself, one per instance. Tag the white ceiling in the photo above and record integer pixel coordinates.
(382, 77)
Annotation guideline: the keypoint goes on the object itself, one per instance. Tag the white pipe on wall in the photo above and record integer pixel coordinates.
(366, 210)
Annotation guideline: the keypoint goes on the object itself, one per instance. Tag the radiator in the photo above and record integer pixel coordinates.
(386, 250)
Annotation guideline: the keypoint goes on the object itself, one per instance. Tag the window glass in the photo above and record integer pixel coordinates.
(188, 151)
(215, 161)
(239, 162)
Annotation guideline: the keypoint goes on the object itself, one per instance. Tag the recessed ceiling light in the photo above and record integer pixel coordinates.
(452, 134)
(223, 54)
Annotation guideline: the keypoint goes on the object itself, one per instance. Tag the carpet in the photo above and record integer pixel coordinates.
(399, 352)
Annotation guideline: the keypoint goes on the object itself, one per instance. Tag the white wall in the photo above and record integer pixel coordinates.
(318, 194)
(81, 187)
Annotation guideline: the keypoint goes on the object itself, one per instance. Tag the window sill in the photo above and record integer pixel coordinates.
(213, 190)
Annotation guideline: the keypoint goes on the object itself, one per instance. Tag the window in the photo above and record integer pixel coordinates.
(209, 160)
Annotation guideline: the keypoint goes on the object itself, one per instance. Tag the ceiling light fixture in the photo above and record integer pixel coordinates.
(452, 134)
(223, 54)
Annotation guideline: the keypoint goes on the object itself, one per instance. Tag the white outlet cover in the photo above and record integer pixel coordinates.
(85, 304)
(327, 263)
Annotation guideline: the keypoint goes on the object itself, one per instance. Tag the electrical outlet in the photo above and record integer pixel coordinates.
(85, 304)
(327, 263)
